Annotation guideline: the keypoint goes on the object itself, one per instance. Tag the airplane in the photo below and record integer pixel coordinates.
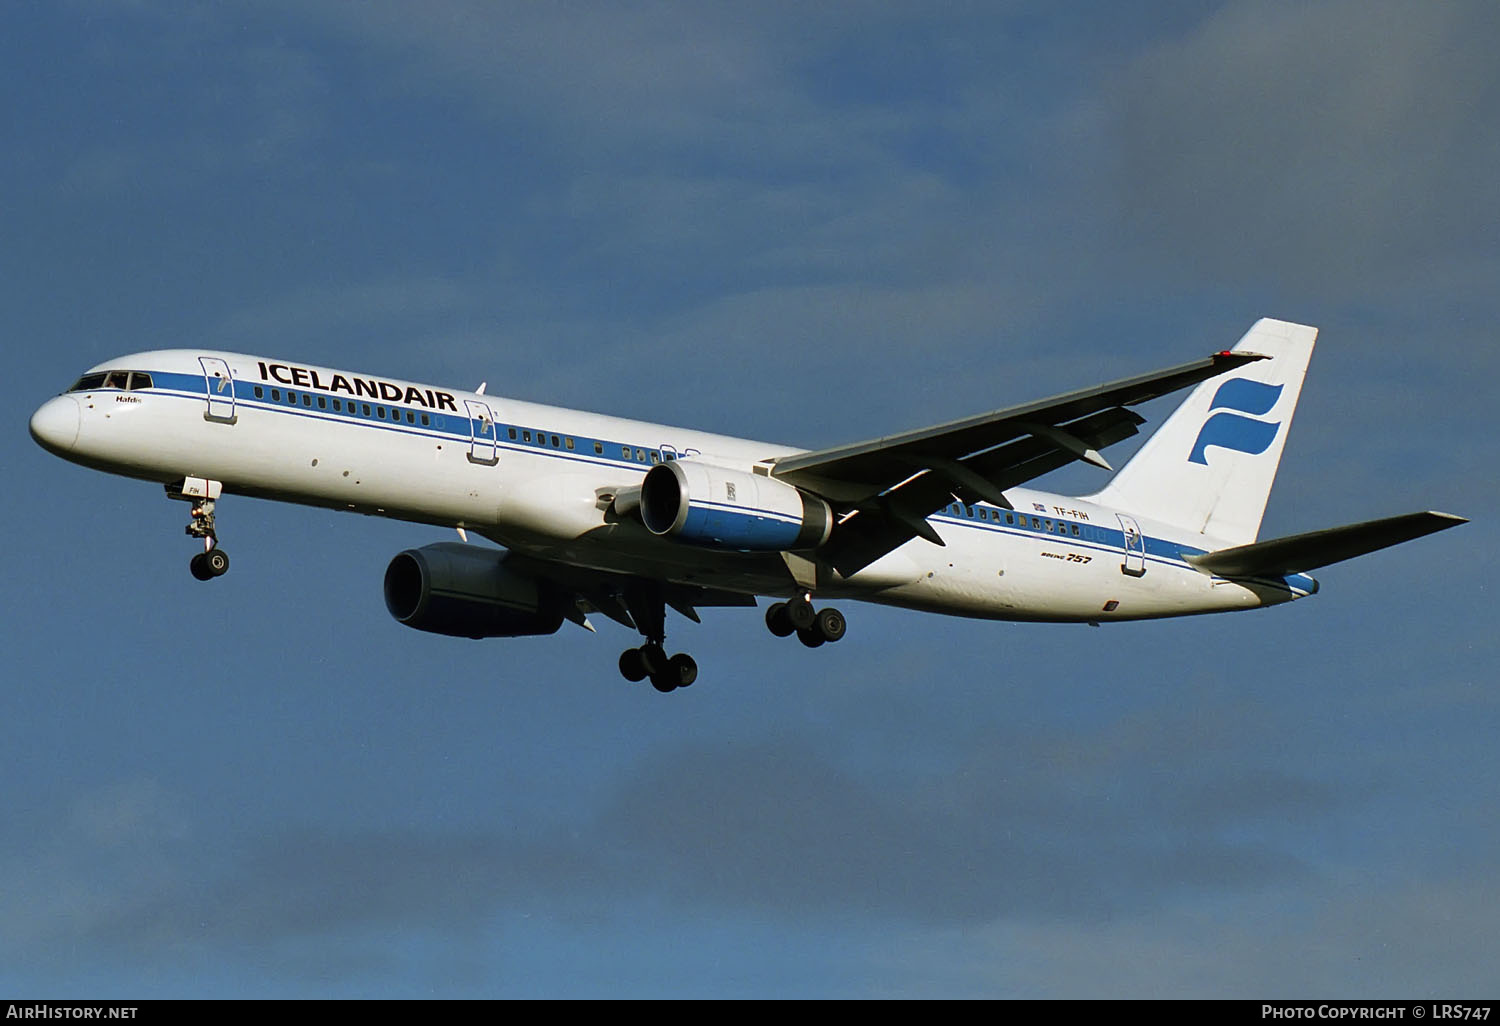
(629, 519)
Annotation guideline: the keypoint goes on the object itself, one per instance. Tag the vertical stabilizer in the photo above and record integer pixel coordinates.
(1209, 468)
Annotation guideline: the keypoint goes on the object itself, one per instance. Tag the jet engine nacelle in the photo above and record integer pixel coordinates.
(730, 509)
(467, 592)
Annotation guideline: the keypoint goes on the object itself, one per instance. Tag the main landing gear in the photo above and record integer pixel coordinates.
(667, 673)
(812, 627)
(212, 561)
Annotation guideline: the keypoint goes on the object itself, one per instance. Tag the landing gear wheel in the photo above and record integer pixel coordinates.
(217, 562)
(810, 636)
(632, 666)
(830, 624)
(653, 659)
(800, 613)
(778, 621)
(679, 672)
(682, 669)
(199, 567)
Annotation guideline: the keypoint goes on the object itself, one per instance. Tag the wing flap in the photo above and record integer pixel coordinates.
(888, 521)
(1299, 553)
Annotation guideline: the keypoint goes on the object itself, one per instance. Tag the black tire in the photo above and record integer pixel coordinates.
(198, 566)
(663, 682)
(800, 613)
(217, 562)
(682, 670)
(653, 659)
(810, 637)
(831, 624)
(777, 620)
(632, 666)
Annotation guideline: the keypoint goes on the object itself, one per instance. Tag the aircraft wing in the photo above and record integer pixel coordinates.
(893, 484)
(1302, 552)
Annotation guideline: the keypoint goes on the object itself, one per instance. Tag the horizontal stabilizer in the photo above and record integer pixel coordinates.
(1302, 552)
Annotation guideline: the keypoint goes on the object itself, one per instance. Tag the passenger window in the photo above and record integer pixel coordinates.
(338, 406)
(1010, 518)
(1075, 531)
(306, 399)
(598, 448)
(569, 443)
(655, 456)
(276, 395)
(322, 402)
(380, 412)
(259, 392)
(512, 433)
(364, 409)
(625, 452)
(640, 457)
(427, 420)
(525, 436)
(555, 441)
(291, 398)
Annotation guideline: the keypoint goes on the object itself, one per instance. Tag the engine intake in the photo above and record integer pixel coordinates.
(467, 592)
(730, 509)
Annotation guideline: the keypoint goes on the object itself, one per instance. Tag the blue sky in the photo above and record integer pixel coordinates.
(809, 227)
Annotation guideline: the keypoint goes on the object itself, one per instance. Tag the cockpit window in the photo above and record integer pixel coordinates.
(87, 382)
(122, 379)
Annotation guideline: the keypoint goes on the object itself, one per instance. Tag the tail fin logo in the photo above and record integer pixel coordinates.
(1234, 431)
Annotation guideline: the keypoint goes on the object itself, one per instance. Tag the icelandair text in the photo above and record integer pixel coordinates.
(303, 377)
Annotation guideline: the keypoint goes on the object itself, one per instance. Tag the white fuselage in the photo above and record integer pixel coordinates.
(540, 480)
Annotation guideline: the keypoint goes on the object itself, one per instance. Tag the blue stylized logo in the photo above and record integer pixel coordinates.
(1233, 431)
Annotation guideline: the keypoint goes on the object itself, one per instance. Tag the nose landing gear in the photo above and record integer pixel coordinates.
(212, 561)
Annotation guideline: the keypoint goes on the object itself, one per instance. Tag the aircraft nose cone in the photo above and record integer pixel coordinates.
(55, 424)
